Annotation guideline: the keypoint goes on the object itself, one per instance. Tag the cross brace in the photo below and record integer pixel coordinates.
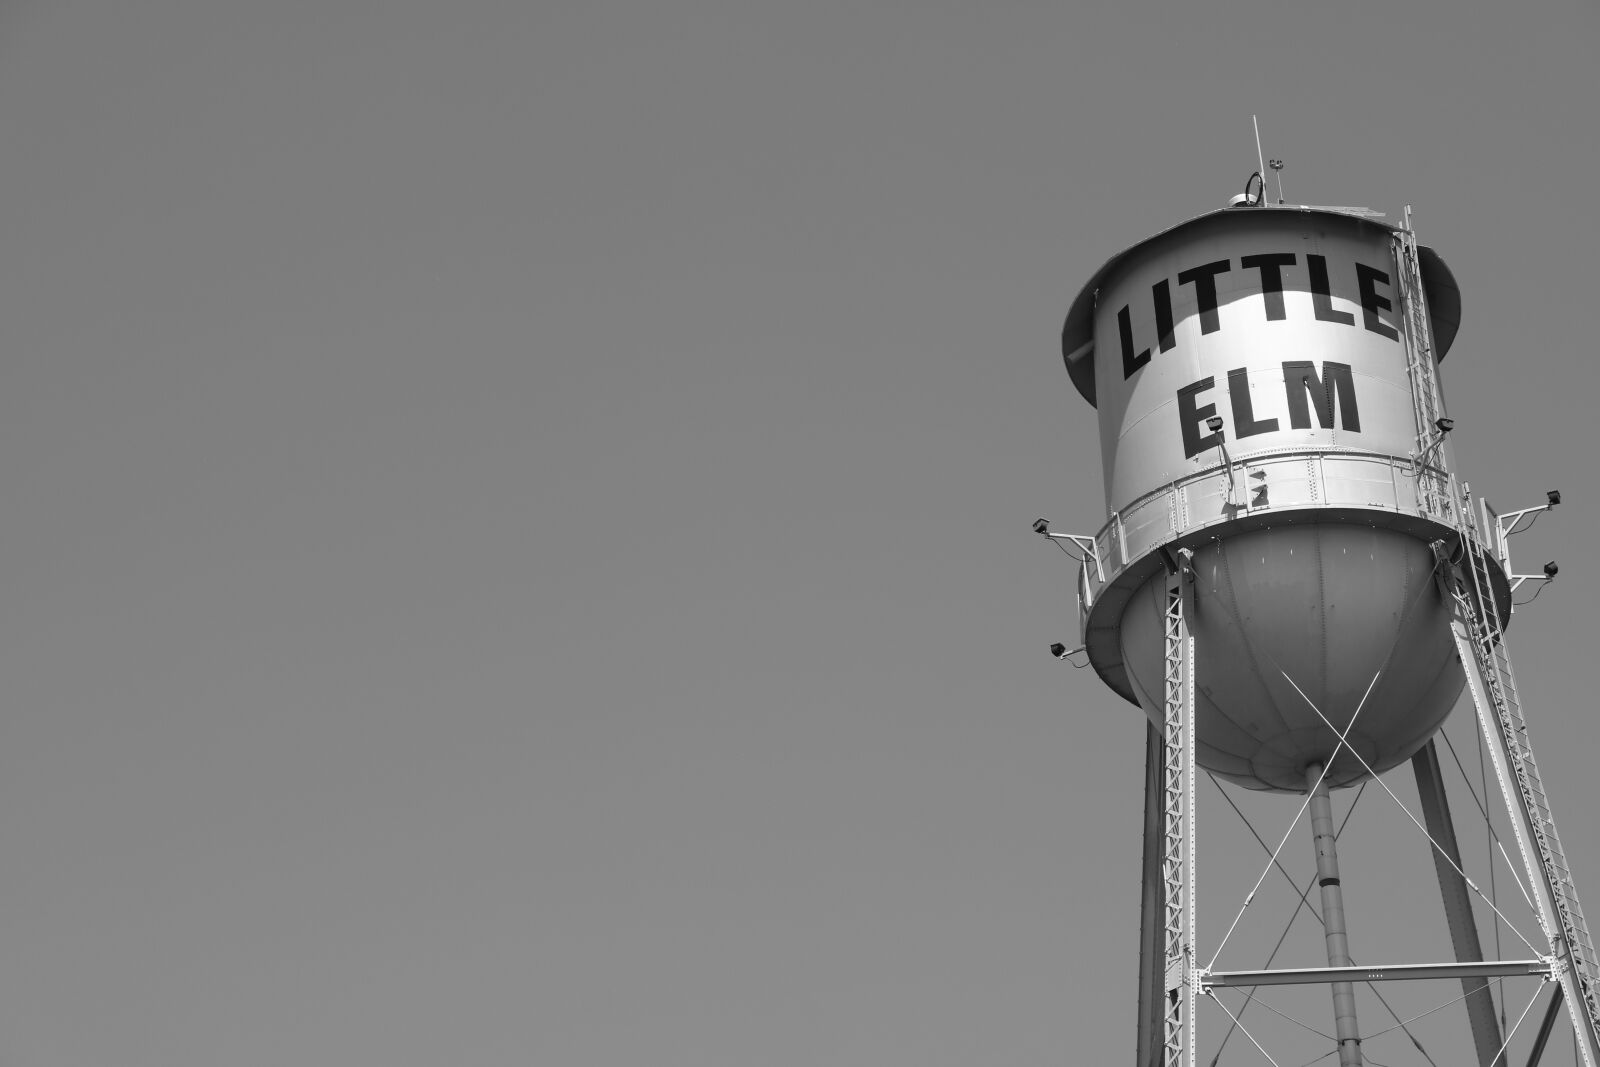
(1394, 972)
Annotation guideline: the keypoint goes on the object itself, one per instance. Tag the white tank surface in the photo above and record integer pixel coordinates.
(1250, 370)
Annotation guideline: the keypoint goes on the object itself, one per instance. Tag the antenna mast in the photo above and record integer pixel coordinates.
(1261, 166)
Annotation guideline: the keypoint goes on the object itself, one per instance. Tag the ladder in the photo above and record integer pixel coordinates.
(1468, 582)
(1476, 621)
(1420, 360)
(1434, 493)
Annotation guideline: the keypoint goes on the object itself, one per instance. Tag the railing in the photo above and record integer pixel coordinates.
(1264, 483)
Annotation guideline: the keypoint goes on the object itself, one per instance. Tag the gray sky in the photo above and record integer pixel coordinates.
(517, 515)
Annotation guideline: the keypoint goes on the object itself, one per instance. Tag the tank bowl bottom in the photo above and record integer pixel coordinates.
(1330, 608)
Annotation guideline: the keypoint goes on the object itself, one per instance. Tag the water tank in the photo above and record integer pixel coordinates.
(1311, 516)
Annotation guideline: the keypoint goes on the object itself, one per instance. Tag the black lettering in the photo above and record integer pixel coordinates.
(1161, 292)
(1131, 361)
(1368, 278)
(1191, 416)
(1320, 294)
(1271, 265)
(1204, 279)
(1300, 380)
(1245, 423)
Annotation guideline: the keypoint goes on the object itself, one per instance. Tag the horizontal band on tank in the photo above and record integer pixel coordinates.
(1262, 487)
(1440, 290)
(1245, 462)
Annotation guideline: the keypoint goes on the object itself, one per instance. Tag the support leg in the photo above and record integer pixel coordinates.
(1493, 691)
(1152, 963)
(1545, 1026)
(1344, 994)
(1457, 901)
(1177, 818)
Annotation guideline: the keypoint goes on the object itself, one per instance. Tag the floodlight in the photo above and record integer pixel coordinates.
(1058, 650)
(1214, 424)
(1444, 425)
(1041, 526)
(1554, 496)
(1550, 569)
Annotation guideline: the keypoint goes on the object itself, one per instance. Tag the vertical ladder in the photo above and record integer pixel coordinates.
(1434, 492)
(1475, 623)
(1425, 398)
(1478, 616)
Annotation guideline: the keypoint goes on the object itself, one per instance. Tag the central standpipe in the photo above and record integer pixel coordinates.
(1344, 993)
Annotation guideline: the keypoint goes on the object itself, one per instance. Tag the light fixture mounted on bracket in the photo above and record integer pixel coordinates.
(1511, 523)
(1065, 654)
(1433, 441)
(1214, 424)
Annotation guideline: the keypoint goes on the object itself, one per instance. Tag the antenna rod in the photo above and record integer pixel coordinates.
(1261, 166)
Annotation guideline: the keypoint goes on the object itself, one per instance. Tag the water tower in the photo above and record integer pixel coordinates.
(1294, 586)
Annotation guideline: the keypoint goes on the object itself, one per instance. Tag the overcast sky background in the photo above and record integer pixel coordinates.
(516, 528)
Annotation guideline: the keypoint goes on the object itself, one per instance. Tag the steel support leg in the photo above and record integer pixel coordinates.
(1548, 1023)
(1344, 993)
(1457, 902)
(1152, 962)
(1178, 852)
(1515, 771)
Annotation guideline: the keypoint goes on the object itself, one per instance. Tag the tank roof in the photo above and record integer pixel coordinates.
(1077, 335)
